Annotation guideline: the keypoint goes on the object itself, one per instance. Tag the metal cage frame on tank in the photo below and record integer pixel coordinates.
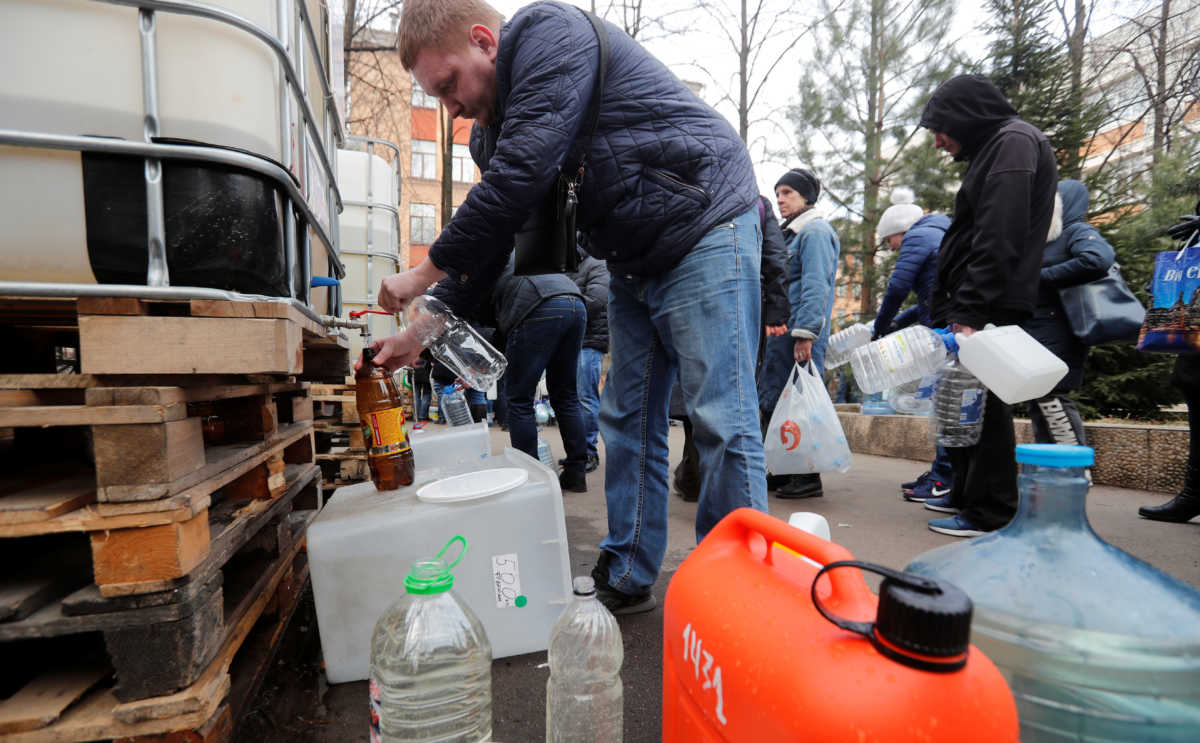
(296, 198)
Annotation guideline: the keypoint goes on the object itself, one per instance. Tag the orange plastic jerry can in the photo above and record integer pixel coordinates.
(760, 644)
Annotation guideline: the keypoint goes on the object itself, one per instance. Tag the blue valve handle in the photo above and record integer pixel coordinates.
(318, 281)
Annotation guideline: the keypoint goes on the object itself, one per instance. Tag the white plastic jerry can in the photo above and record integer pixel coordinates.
(1010, 363)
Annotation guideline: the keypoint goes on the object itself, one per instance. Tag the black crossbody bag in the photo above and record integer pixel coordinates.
(546, 242)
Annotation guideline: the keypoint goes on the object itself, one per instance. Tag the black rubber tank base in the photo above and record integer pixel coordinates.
(224, 225)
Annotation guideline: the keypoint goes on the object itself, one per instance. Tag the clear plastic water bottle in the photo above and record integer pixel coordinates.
(431, 663)
(453, 342)
(584, 699)
(876, 404)
(454, 406)
(958, 399)
(1096, 645)
(545, 456)
(844, 341)
(907, 354)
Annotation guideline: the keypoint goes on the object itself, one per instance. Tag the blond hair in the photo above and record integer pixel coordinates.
(426, 24)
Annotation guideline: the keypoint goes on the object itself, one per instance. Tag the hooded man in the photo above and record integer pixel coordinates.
(988, 269)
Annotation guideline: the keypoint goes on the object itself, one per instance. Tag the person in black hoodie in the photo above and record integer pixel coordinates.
(988, 269)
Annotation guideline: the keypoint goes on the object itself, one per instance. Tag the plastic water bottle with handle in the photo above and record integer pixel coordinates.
(584, 699)
(431, 663)
(1007, 360)
(454, 405)
(453, 342)
(958, 399)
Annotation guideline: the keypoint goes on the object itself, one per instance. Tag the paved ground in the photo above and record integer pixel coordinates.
(864, 511)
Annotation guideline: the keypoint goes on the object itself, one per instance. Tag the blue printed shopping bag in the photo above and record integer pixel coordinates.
(1172, 323)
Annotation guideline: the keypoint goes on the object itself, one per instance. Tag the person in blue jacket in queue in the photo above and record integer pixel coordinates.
(813, 248)
(906, 228)
(667, 198)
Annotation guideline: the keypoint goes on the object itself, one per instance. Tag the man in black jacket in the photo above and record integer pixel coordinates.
(988, 269)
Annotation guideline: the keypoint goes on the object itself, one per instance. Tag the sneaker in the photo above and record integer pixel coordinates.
(931, 488)
(616, 601)
(593, 463)
(941, 505)
(573, 480)
(623, 603)
(908, 487)
(955, 526)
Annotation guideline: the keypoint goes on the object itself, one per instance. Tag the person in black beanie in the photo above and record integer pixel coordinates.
(812, 256)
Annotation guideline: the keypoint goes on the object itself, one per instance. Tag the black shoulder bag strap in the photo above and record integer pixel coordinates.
(546, 243)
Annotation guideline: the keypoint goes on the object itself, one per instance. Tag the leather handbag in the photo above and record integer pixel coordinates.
(546, 242)
(1104, 310)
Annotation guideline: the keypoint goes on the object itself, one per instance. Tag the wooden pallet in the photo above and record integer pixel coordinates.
(122, 335)
(75, 705)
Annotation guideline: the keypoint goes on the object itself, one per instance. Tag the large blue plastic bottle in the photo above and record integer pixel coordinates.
(1096, 644)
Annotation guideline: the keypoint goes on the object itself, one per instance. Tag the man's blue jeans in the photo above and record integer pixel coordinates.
(700, 319)
(589, 395)
(548, 340)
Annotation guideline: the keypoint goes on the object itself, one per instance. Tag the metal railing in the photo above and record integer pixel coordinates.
(293, 74)
(370, 143)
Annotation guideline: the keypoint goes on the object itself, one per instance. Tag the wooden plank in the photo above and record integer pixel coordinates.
(26, 398)
(86, 415)
(46, 381)
(219, 729)
(188, 345)
(45, 501)
(165, 395)
(125, 560)
(42, 701)
(22, 596)
(223, 464)
(111, 306)
(89, 519)
(142, 454)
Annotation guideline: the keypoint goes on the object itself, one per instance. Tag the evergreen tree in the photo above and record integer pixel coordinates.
(867, 78)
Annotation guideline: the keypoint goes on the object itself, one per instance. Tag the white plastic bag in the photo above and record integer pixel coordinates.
(805, 435)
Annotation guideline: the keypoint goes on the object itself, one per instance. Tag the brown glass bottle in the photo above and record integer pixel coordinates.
(380, 409)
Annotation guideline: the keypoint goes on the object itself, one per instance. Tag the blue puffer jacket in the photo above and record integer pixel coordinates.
(663, 168)
(916, 268)
(1079, 255)
(812, 270)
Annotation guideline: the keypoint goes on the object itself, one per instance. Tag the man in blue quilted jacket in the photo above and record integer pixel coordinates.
(667, 199)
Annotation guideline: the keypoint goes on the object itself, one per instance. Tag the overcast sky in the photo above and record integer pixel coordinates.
(700, 44)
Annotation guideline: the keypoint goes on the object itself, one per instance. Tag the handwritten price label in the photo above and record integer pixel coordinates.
(506, 579)
(706, 670)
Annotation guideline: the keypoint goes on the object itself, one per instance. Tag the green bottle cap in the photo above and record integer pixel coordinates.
(434, 576)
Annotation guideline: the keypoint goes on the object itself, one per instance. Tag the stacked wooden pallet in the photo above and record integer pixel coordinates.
(340, 446)
(152, 518)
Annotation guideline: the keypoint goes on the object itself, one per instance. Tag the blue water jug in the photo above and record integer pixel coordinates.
(1096, 644)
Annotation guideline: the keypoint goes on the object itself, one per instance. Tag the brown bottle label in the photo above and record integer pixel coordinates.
(383, 432)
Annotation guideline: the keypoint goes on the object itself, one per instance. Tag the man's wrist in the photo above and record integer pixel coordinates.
(429, 272)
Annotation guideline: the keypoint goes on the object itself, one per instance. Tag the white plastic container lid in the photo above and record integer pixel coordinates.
(473, 485)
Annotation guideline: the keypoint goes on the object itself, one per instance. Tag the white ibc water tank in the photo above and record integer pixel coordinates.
(76, 69)
(370, 233)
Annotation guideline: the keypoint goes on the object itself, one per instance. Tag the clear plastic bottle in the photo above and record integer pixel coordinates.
(958, 398)
(453, 342)
(454, 406)
(844, 341)
(915, 397)
(584, 699)
(431, 663)
(545, 456)
(1096, 644)
(907, 354)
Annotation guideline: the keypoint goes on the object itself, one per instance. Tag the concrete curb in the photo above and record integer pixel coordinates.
(1127, 456)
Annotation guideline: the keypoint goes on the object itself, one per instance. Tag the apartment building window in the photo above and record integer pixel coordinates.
(421, 99)
(857, 293)
(464, 167)
(422, 224)
(424, 159)
(841, 290)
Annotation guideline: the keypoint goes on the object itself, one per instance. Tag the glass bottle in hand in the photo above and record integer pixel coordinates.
(380, 409)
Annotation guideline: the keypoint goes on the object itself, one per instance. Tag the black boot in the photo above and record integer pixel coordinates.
(687, 472)
(1179, 509)
(573, 480)
(802, 486)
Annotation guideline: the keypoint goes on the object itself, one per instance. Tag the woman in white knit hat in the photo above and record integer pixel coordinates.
(906, 227)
